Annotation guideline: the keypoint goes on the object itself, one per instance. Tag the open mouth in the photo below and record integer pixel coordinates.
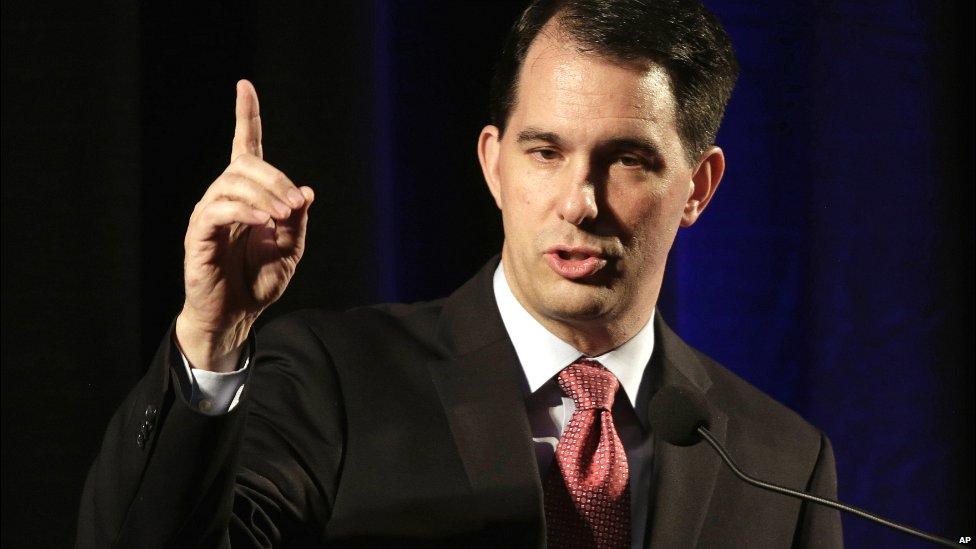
(566, 255)
(575, 263)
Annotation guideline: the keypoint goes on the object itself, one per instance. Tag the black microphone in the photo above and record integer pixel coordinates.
(680, 416)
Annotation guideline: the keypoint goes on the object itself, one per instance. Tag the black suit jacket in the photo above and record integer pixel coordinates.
(406, 425)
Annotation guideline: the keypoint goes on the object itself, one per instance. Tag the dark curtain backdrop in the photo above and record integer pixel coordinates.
(833, 270)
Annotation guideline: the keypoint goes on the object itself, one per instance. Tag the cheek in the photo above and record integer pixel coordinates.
(647, 217)
(633, 204)
(517, 210)
(525, 197)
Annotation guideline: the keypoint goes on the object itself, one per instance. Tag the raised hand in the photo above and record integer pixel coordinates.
(242, 245)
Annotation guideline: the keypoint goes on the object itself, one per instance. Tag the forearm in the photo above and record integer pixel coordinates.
(163, 468)
(201, 480)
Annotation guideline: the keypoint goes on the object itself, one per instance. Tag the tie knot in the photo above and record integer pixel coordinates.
(589, 384)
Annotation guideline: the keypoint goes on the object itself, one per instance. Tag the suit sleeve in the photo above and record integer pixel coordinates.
(265, 472)
(820, 526)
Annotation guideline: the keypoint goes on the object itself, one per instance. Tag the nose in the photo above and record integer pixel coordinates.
(579, 202)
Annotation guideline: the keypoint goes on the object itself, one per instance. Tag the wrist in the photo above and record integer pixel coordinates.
(208, 348)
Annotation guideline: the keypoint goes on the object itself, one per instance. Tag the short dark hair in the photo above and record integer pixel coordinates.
(679, 35)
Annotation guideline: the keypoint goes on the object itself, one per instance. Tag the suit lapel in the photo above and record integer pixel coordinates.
(683, 478)
(480, 386)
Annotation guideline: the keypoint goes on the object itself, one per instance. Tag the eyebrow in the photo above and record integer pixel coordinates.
(535, 134)
(633, 143)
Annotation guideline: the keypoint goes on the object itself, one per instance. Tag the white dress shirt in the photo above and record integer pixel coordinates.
(542, 356)
(215, 393)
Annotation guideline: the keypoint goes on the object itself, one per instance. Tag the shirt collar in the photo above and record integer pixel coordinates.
(543, 355)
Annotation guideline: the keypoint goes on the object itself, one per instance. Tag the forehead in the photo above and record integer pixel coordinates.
(564, 89)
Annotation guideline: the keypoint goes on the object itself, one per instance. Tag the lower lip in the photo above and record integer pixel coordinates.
(575, 269)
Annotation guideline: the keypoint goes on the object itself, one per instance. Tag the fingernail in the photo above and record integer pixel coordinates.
(296, 198)
(281, 208)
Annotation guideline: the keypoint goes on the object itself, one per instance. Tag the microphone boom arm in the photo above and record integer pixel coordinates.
(705, 434)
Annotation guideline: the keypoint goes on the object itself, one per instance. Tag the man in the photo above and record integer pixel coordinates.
(513, 412)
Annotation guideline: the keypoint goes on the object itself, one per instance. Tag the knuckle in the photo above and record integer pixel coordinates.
(207, 212)
(281, 180)
(241, 161)
(222, 182)
(204, 216)
(195, 214)
(230, 179)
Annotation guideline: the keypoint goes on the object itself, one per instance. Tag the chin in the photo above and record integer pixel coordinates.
(576, 302)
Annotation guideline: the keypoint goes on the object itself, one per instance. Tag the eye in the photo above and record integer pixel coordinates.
(545, 155)
(632, 161)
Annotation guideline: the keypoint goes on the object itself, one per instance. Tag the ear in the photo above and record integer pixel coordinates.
(489, 146)
(704, 182)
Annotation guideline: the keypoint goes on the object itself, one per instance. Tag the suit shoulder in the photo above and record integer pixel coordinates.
(757, 418)
(750, 402)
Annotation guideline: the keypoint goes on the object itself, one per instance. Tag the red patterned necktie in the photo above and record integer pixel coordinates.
(587, 494)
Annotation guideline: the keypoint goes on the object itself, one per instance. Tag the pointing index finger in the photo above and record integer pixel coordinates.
(247, 129)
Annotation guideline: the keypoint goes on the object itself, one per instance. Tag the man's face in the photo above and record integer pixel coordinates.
(592, 182)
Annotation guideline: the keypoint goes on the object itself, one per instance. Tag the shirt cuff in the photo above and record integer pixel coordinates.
(216, 393)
